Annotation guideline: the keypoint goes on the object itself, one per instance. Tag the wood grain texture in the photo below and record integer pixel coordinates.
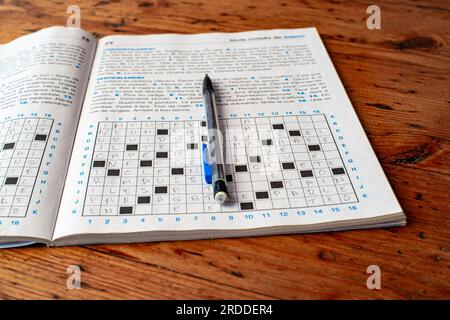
(398, 80)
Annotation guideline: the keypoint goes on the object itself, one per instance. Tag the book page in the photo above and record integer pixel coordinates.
(43, 77)
(295, 152)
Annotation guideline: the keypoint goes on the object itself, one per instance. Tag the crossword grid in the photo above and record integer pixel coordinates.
(23, 142)
(155, 167)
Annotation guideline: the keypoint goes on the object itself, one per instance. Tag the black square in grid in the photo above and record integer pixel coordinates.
(11, 180)
(126, 210)
(162, 132)
(306, 173)
(313, 147)
(204, 138)
(278, 126)
(246, 205)
(161, 155)
(132, 147)
(113, 172)
(146, 163)
(255, 158)
(241, 168)
(177, 171)
(99, 164)
(338, 170)
(160, 189)
(7, 146)
(276, 184)
(40, 137)
(294, 133)
(143, 200)
(288, 165)
(262, 195)
(203, 124)
(192, 146)
(229, 178)
(266, 142)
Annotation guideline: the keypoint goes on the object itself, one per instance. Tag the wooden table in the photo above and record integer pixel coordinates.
(398, 80)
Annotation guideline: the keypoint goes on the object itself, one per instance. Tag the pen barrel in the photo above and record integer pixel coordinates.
(209, 99)
(215, 139)
(215, 146)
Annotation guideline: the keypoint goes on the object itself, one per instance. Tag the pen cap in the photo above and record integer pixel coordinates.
(220, 191)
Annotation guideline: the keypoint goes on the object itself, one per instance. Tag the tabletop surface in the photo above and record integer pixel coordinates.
(398, 81)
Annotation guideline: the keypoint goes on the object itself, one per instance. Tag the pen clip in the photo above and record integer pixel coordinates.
(206, 167)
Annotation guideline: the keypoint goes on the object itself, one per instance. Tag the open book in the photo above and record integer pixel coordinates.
(101, 140)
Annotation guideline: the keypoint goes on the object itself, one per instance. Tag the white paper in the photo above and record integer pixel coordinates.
(43, 77)
(277, 85)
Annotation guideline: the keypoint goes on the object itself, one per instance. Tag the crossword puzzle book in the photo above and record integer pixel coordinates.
(101, 140)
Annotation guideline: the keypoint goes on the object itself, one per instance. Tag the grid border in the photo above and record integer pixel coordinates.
(218, 212)
(38, 168)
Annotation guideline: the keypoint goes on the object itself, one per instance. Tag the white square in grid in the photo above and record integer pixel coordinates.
(292, 125)
(18, 211)
(311, 140)
(318, 118)
(243, 186)
(329, 147)
(127, 191)
(348, 197)
(212, 207)
(313, 202)
(292, 184)
(326, 139)
(194, 207)
(278, 193)
(264, 130)
(230, 206)
(262, 120)
(177, 189)
(143, 209)
(286, 157)
(308, 133)
(109, 210)
(194, 198)
(161, 180)
(177, 198)
(160, 209)
(319, 164)
(298, 202)
(280, 203)
(322, 172)
(244, 196)
(325, 181)
(295, 193)
(260, 185)
(263, 204)
(341, 179)
(274, 175)
(316, 156)
(304, 119)
(91, 210)
(331, 199)
(258, 177)
(328, 190)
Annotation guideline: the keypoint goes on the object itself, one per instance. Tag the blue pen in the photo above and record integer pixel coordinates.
(214, 152)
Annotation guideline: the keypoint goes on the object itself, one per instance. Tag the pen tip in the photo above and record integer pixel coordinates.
(207, 84)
